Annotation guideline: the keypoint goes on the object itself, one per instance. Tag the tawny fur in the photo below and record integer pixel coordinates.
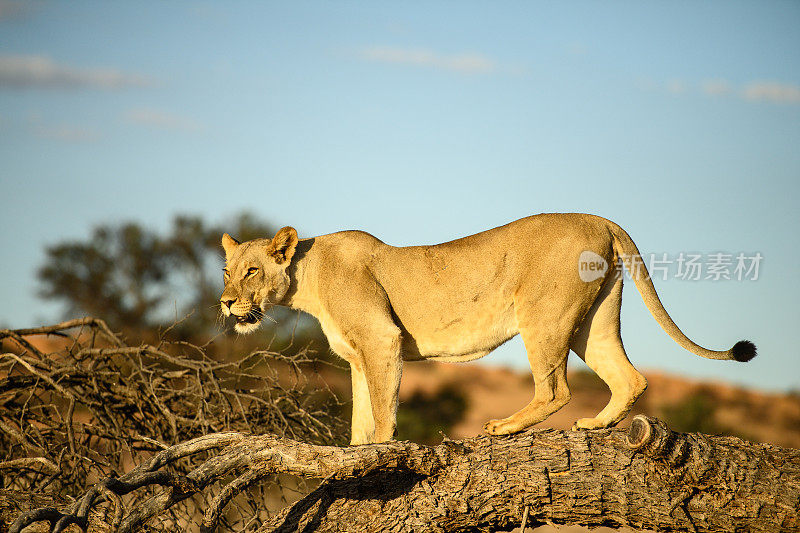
(379, 305)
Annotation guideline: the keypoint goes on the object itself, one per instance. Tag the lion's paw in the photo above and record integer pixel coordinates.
(500, 427)
(588, 423)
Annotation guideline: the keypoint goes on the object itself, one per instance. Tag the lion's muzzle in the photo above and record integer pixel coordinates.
(246, 314)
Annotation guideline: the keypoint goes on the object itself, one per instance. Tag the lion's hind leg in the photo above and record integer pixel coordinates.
(599, 344)
(547, 355)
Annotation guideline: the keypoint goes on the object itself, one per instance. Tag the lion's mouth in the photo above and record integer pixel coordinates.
(254, 316)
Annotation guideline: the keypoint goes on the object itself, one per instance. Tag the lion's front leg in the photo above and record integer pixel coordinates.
(375, 369)
(358, 323)
(382, 371)
(363, 423)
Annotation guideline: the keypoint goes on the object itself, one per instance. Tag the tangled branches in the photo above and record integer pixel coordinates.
(249, 458)
(84, 406)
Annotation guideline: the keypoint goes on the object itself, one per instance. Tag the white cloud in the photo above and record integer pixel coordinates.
(163, 120)
(38, 71)
(577, 49)
(677, 87)
(65, 132)
(466, 63)
(756, 91)
(39, 126)
(716, 87)
(772, 91)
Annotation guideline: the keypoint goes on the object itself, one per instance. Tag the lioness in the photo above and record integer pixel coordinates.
(379, 305)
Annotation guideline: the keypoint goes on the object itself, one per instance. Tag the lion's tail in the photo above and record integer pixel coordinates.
(629, 254)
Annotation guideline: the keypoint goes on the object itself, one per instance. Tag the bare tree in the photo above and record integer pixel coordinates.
(141, 280)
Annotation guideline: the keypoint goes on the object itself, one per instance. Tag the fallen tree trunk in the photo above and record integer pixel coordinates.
(649, 478)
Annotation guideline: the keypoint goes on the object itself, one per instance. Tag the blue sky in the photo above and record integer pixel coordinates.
(421, 122)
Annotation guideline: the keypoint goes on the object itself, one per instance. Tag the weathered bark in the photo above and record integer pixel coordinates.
(651, 478)
(12, 503)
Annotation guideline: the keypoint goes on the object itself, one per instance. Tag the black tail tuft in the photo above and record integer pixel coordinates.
(743, 351)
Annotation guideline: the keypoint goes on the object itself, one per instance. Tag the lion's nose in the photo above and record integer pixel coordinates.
(228, 303)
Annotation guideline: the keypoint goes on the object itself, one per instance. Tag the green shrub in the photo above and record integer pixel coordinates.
(425, 417)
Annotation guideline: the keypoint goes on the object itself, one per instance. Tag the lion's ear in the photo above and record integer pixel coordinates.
(229, 244)
(283, 244)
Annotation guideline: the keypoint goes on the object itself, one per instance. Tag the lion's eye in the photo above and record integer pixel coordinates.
(225, 273)
(251, 271)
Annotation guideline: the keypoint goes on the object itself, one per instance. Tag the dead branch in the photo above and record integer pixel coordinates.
(93, 406)
(649, 478)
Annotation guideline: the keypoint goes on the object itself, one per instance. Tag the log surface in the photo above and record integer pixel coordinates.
(646, 478)
(660, 480)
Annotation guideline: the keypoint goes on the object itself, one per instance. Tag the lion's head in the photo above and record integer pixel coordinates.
(256, 276)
